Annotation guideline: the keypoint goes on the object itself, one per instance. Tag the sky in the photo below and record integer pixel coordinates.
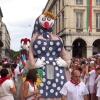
(19, 17)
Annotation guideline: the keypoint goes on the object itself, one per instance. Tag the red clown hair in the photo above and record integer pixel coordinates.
(50, 14)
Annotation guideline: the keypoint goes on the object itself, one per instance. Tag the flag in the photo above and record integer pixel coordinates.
(89, 16)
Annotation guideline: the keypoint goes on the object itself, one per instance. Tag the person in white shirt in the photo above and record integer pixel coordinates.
(7, 86)
(97, 81)
(74, 89)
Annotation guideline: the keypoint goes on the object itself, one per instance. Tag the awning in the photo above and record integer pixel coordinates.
(1, 43)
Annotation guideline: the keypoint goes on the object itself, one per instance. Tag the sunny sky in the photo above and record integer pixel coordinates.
(19, 17)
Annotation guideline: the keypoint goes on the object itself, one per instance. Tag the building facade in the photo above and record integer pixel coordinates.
(6, 42)
(4, 38)
(1, 43)
(78, 24)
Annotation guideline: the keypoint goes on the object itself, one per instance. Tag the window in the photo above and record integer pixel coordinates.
(97, 2)
(98, 22)
(79, 21)
(79, 2)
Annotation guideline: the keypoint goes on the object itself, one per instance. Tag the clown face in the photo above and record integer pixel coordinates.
(46, 22)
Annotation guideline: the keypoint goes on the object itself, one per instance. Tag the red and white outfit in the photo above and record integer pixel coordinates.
(5, 93)
(74, 92)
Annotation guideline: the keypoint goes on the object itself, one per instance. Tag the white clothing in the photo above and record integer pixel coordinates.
(74, 92)
(31, 91)
(7, 98)
(91, 81)
(5, 93)
(17, 72)
(98, 86)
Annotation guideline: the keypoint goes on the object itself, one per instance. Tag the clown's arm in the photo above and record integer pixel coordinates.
(64, 60)
(35, 62)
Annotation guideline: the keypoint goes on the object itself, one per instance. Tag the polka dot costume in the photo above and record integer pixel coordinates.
(50, 50)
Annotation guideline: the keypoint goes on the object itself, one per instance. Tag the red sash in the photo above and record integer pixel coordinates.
(74, 82)
(3, 79)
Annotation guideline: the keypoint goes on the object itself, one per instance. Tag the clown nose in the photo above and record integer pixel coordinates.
(46, 25)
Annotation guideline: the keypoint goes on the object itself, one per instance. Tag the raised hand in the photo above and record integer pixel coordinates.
(61, 63)
(39, 63)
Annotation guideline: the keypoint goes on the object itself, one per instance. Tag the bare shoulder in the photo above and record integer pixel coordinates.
(26, 84)
(55, 37)
(34, 37)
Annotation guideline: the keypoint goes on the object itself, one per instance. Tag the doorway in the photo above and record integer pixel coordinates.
(79, 48)
(96, 47)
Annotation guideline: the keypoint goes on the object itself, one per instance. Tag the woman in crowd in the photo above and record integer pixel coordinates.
(7, 86)
(90, 81)
(29, 89)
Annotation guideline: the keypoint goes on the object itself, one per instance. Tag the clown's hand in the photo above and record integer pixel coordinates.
(61, 63)
(39, 63)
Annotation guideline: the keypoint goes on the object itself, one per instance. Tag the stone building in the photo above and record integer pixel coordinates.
(6, 41)
(1, 43)
(4, 38)
(71, 25)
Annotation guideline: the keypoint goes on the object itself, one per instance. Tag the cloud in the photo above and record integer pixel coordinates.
(17, 33)
(19, 16)
(18, 10)
(19, 30)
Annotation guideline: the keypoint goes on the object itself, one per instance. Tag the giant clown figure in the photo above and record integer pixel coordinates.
(47, 53)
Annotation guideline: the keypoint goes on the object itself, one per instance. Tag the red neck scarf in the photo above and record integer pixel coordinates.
(2, 79)
(74, 82)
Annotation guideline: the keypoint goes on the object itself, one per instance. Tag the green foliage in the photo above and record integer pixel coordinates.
(14, 54)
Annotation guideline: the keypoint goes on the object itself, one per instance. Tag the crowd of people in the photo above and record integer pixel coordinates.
(59, 76)
(83, 81)
(90, 74)
(12, 86)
